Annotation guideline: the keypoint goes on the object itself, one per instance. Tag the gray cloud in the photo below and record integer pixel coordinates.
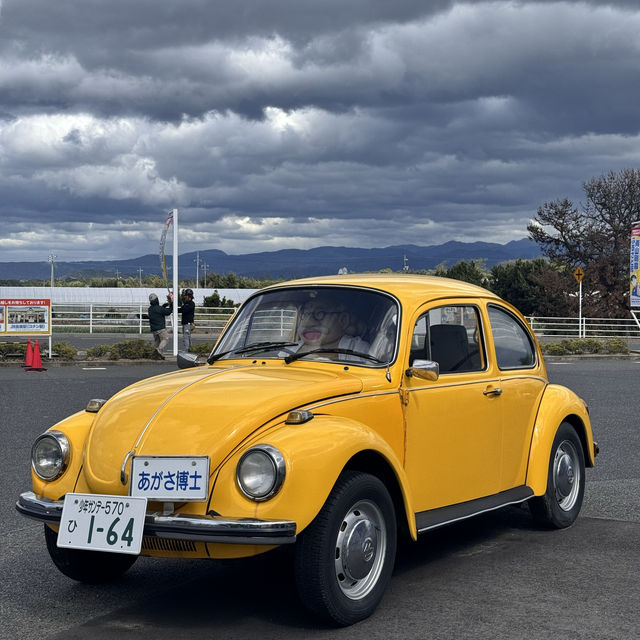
(278, 124)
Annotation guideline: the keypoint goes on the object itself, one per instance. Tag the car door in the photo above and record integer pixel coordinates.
(522, 381)
(453, 424)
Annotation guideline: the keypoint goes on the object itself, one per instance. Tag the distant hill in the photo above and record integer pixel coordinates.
(286, 263)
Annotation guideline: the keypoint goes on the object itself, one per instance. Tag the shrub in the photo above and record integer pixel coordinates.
(127, 350)
(616, 345)
(132, 350)
(578, 346)
(554, 349)
(64, 350)
(99, 351)
(201, 349)
(10, 348)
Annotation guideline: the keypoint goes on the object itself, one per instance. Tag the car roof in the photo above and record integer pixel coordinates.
(407, 287)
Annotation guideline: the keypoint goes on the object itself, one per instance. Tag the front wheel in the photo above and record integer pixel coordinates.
(345, 557)
(559, 506)
(91, 567)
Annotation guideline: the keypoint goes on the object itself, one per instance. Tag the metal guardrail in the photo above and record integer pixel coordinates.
(102, 318)
(547, 327)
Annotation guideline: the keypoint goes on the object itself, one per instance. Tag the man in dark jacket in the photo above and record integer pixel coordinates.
(157, 323)
(187, 309)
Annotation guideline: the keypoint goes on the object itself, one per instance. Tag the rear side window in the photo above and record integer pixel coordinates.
(514, 347)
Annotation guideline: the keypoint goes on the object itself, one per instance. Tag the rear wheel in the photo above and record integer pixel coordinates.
(87, 566)
(560, 505)
(344, 559)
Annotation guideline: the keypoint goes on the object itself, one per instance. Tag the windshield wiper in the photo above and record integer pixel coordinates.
(349, 352)
(256, 346)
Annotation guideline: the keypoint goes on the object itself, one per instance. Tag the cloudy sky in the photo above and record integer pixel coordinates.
(273, 124)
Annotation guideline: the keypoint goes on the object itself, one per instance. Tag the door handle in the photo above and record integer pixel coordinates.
(497, 391)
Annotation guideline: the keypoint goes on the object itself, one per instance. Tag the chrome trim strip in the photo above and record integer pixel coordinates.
(511, 496)
(181, 527)
(353, 396)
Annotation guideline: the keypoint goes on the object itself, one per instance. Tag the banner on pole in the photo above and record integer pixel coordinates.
(25, 316)
(163, 240)
(634, 271)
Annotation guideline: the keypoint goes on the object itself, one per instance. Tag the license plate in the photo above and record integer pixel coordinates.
(170, 478)
(102, 523)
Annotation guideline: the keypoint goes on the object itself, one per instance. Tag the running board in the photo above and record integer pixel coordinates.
(426, 520)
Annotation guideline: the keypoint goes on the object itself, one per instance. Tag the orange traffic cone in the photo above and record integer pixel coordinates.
(36, 365)
(28, 356)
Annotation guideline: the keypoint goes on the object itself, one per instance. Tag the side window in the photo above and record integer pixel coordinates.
(514, 347)
(452, 337)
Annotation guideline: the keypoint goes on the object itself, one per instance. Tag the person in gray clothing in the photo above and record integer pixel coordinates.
(157, 323)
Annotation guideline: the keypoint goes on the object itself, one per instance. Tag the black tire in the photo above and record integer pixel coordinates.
(559, 507)
(91, 567)
(344, 558)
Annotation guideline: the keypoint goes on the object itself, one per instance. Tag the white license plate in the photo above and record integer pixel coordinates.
(102, 523)
(170, 478)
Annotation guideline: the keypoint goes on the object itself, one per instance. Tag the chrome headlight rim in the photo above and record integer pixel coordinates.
(61, 441)
(279, 469)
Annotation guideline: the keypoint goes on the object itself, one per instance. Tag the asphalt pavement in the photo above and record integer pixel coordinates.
(496, 576)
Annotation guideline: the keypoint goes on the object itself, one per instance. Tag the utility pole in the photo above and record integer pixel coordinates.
(205, 266)
(140, 275)
(197, 261)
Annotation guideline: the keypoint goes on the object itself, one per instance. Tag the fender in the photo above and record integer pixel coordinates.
(558, 404)
(315, 454)
(76, 428)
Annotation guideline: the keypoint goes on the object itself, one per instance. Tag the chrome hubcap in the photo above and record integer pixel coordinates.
(360, 549)
(566, 475)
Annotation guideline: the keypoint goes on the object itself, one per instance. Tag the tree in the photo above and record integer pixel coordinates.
(471, 271)
(595, 237)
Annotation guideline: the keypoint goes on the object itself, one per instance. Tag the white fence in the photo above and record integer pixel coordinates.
(102, 318)
(587, 328)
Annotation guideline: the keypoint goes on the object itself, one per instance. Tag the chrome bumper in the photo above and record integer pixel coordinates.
(180, 527)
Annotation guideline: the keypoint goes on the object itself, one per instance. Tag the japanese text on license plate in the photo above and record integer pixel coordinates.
(170, 478)
(102, 523)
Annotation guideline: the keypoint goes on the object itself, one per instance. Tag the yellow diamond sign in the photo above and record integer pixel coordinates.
(578, 274)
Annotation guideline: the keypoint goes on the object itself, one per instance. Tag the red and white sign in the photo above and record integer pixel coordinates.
(25, 316)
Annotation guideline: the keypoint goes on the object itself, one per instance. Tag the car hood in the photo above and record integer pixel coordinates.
(199, 411)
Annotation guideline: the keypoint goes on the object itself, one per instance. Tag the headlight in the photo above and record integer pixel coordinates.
(260, 472)
(50, 455)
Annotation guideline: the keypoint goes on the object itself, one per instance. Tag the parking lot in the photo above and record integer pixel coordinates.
(496, 576)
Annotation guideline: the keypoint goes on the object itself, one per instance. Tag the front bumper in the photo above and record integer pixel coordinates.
(180, 527)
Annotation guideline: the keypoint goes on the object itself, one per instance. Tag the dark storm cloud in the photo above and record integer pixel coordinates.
(279, 123)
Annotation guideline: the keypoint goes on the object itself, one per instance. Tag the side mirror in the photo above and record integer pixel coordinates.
(424, 369)
(187, 360)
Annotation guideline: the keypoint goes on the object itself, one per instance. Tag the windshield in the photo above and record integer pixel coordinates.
(337, 324)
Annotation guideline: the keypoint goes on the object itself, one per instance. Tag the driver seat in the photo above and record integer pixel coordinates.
(449, 346)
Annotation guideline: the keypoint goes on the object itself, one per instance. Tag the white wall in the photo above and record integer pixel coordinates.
(113, 295)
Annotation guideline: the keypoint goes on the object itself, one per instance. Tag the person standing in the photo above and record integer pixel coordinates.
(187, 309)
(157, 323)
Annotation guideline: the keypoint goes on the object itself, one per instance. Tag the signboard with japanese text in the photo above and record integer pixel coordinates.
(634, 271)
(24, 316)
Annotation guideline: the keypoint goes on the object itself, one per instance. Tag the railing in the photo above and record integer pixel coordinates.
(101, 318)
(586, 328)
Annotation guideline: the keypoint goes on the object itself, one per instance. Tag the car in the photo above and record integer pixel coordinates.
(334, 415)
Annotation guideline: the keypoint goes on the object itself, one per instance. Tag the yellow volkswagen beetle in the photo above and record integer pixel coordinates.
(333, 414)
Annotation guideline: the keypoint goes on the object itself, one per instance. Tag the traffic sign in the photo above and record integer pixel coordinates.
(578, 274)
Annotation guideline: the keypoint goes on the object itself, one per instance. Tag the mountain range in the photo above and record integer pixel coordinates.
(286, 263)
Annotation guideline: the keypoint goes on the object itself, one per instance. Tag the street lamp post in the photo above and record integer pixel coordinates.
(51, 259)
